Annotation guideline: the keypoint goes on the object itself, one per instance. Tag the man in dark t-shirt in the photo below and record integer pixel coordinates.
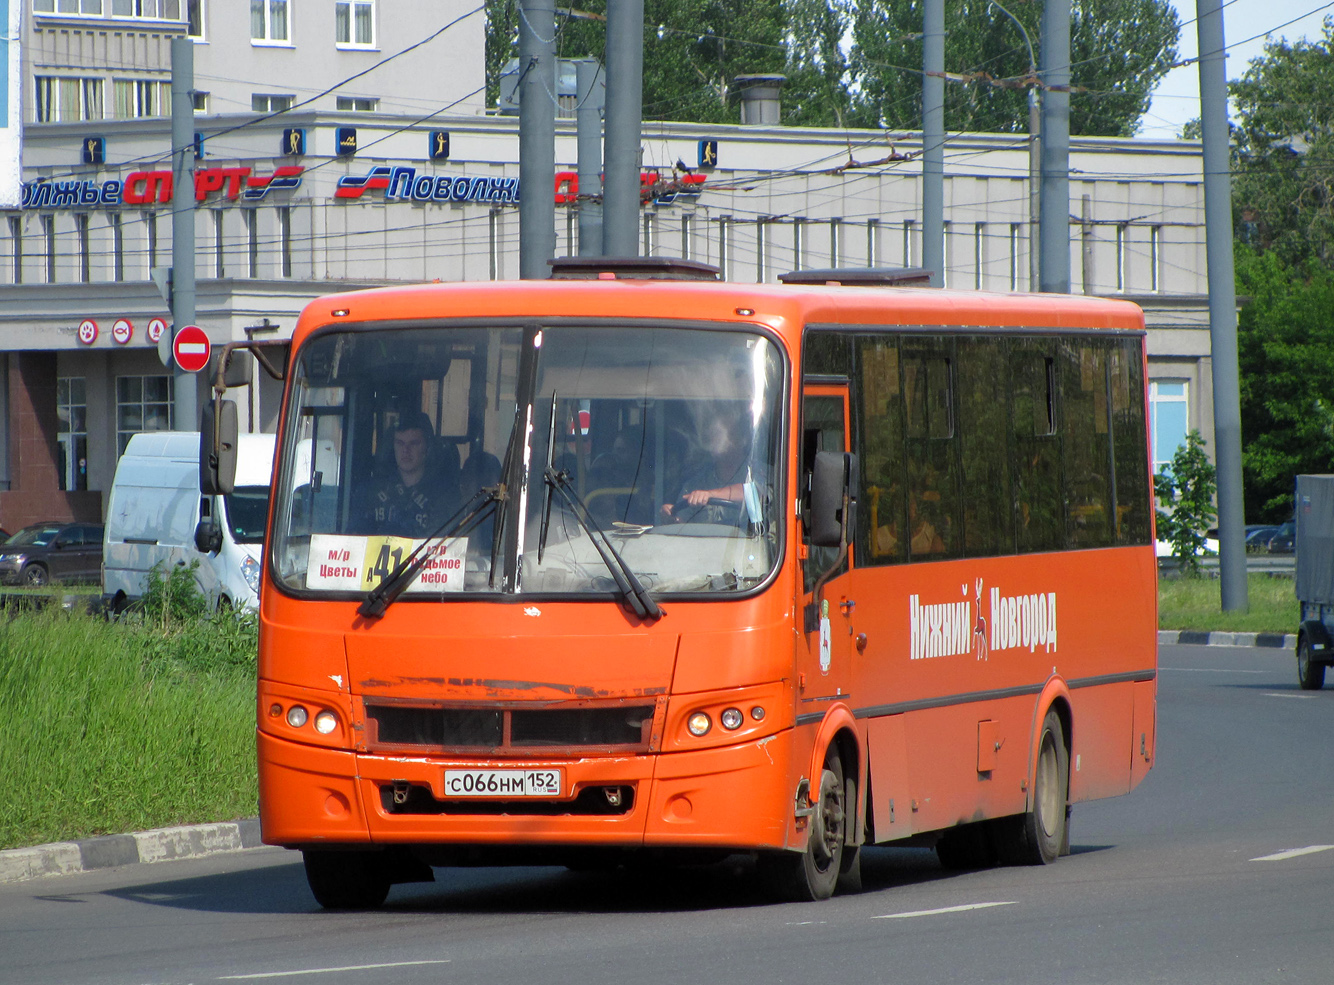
(408, 503)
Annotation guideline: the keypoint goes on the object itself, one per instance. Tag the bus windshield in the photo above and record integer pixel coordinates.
(664, 439)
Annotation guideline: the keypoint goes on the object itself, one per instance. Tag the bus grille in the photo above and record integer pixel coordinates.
(513, 730)
(590, 801)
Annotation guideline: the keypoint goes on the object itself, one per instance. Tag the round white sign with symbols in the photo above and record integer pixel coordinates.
(122, 331)
(87, 331)
(156, 326)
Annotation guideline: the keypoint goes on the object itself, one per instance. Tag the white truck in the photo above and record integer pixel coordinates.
(157, 515)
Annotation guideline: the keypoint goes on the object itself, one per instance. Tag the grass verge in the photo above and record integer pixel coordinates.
(1196, 603)
(117, 727)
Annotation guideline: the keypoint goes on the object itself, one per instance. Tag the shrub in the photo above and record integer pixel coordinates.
(1187, 488)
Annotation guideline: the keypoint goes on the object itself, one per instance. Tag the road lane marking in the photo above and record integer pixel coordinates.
(1299, 697)
(325, 971)
(944, 909)
(1293, 853)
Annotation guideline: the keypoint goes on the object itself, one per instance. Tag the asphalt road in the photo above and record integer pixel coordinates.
(1218, 869)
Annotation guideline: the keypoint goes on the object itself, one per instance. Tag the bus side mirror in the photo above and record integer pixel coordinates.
(208, 536)
(833, 480)
(217, 448)
(238, 368)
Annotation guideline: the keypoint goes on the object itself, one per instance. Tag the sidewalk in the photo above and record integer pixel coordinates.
(196, 841)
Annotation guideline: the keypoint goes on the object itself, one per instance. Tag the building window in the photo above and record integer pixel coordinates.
(219, 254)
(85, 247)
(1014, 255)
(907, 242)
(78, 8)
(158, 10)
(266, 103)
(945, 255)
(72, 412)
(117, 246)
(16, 241)
(252, 240)
(799, 243)
(872, 242)
(724, 254)
(357, 104)
(354, 23)
(62, 100)
(649, 234)
(1155, 258)
(143, 403)
(137, 98)
(1169, 420)
(195, 19)
(979, 253)
(285, 239)
(269, 22)
(49, 237)
(1121, 244)
(150, 238)
(761, 249)
(835, 246)
(200, 100)
(493, 242)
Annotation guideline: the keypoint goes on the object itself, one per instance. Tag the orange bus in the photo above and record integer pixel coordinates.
(613, 563)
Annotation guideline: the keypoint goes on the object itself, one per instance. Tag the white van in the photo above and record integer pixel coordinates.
(155, 508)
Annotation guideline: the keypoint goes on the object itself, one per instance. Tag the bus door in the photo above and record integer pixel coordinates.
(825, 663)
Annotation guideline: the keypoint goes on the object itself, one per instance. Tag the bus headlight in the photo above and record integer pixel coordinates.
(250, 572)
(325, 722)
(731, 719)
(699, 724)
(296, 716)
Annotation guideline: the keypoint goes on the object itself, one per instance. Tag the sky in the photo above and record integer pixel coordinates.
(1177, 98)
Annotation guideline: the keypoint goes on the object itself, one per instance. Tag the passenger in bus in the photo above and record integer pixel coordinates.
(717, 474)
(417, 495)
(925, 538)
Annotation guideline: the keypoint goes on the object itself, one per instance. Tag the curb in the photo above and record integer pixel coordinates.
(159, 845)
(1197, 637)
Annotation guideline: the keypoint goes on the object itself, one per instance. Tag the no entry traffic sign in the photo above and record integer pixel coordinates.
(191, 349)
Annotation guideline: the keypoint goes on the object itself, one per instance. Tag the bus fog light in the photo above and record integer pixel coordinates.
(757, 713)
(296, 716)
(731, 719)
(275, 709)
(699, 723)
(325, 722)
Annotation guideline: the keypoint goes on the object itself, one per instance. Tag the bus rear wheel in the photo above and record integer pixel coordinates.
(1038, 837)
(814, 874)
(1310, 675)
(353, 880)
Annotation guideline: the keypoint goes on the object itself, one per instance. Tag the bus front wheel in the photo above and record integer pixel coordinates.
(353, 880)
(1311, 676)
(1038, 837)
(814, 874)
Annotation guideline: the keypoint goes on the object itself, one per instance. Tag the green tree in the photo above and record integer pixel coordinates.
(1285, 348)
(1283, 136)
(1187, 488)
(1119, 49)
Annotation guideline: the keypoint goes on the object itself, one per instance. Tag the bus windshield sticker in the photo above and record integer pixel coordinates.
(826, 657)
(349, 563)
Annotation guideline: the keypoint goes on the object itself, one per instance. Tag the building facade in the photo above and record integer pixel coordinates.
(295, 201)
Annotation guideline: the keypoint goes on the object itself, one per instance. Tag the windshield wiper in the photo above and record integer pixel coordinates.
(634, 593)
(547, 486)
(465, 518)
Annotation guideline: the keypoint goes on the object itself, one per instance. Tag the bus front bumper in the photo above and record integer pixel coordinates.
(738, 796)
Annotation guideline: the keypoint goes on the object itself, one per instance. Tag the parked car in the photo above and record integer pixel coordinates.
(1258, 536)
(1284, 538)
(47, 552)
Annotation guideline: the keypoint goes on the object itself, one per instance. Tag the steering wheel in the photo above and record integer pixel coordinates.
(716, 510)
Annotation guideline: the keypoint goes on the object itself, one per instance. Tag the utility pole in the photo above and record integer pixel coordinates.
(537, 137)
(1054, 209)
(625, 117)
(588, 122)
(186, 397)
(933, 140)
(1222, 307)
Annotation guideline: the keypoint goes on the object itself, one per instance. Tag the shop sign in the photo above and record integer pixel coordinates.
(149, 187)
(87, 331)
(404, 184)
(122, 331)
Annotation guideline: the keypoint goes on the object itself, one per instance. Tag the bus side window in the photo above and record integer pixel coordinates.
(1130, 444)
(1039, 498)
(1088, 445)
(878, 397)
(984, 448)
(933, 488)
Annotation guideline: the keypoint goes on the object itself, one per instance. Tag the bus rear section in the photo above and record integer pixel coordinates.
(550, 578)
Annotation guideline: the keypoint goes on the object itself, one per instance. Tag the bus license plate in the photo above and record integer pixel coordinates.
(502, 783)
